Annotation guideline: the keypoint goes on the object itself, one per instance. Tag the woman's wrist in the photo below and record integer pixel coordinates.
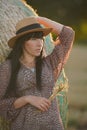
(27, 99)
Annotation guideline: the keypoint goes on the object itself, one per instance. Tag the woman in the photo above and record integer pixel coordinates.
(28, 76)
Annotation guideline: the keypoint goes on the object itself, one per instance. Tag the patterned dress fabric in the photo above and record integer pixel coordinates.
(29, 117)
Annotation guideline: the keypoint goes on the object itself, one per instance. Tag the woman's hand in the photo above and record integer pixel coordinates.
(40, 102)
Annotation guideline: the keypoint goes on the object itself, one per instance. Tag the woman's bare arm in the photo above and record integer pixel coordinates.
(57, 27)
(39, 102)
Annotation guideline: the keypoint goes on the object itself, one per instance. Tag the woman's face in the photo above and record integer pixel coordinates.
(33, 46)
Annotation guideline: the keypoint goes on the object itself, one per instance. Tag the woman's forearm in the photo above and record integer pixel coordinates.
(41, 103)
(57, 27)
(20, 102)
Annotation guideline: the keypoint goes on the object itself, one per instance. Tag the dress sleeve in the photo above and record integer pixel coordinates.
(62, 49)
(7, 109)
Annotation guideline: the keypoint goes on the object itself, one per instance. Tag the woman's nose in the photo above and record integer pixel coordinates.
(39, 42)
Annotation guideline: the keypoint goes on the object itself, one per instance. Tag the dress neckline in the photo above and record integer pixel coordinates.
(27, 67)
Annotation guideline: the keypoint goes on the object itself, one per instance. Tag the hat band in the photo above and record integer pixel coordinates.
(29, 27)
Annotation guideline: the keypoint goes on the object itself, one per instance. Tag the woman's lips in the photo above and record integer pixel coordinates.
(38, 49)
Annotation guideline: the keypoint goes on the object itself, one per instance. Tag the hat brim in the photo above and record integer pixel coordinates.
(45, 31)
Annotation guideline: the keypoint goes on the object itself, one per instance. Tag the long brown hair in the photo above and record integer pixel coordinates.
(14, 57)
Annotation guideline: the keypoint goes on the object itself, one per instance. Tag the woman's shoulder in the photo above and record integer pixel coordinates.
(5, 64)
(46, 62)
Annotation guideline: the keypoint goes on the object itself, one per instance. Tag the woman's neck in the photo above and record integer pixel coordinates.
(28, 60)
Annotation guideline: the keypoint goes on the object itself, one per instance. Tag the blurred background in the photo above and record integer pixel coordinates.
(74, 14)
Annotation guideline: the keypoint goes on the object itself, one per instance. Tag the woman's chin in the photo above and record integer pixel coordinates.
(38, 54)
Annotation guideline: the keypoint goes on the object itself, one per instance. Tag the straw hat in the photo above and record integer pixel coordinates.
(28, 25)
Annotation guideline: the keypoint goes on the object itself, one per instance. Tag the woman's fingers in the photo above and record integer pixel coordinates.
(45, 107)
(45, 104)
(47, 101)
(40, 102)
(42, 108)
